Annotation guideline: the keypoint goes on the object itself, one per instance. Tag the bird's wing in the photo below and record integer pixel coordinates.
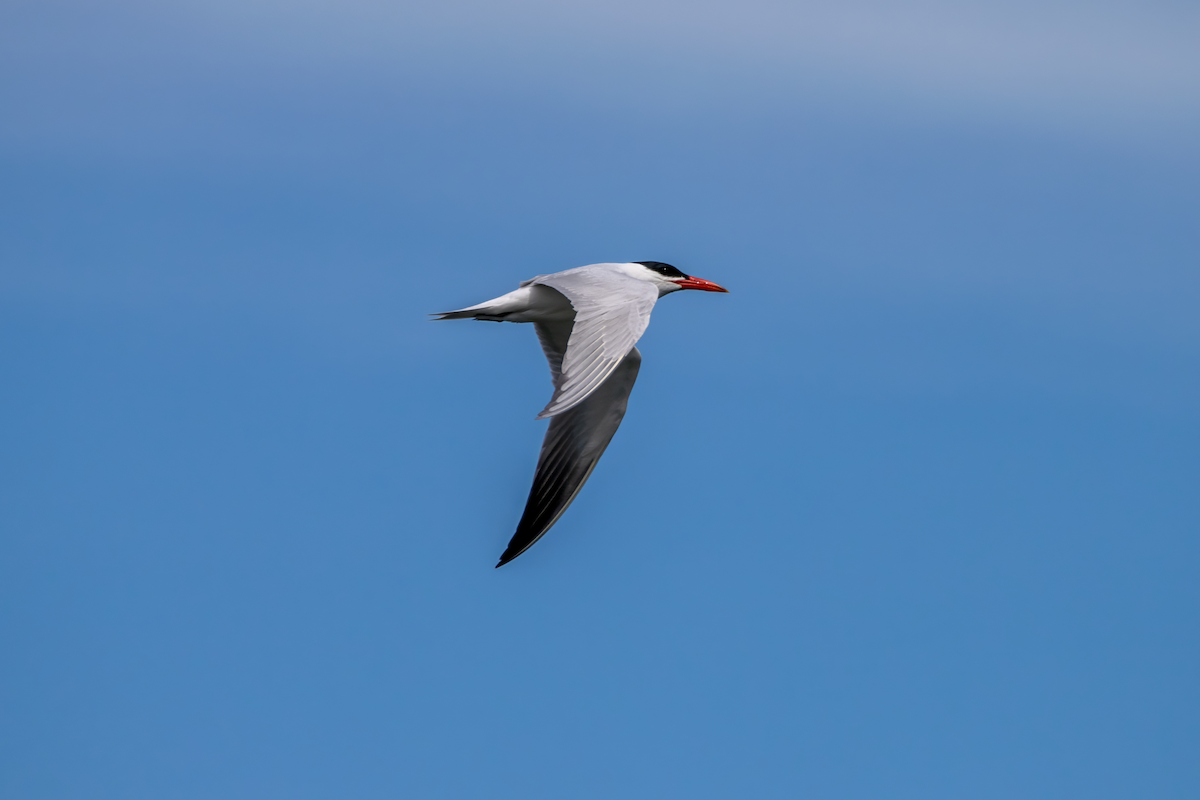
(573, 445)
(612, 311)
(554, 338)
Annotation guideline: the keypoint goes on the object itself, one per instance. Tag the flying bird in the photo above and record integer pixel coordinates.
(588, 320)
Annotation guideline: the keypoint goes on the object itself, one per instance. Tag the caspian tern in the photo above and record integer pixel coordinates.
(588, 320)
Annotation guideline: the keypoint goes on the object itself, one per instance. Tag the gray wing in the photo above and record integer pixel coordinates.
(612, 311)
(573, 445)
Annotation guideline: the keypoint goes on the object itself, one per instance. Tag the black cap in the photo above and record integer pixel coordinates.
(666, 270)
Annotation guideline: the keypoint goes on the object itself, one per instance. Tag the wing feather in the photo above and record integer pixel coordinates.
(573, 445)
(612, 311)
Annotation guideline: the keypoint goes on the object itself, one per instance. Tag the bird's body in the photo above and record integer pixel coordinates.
(588, 320)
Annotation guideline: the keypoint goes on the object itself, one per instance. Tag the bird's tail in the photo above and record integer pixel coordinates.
(496, 310)
(464, 314)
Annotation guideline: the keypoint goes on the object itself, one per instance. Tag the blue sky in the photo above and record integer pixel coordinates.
(911, 512)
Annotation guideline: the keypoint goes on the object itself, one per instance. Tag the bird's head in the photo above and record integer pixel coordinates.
(669, 279)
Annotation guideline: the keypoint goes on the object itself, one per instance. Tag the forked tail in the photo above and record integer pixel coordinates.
(464, 314)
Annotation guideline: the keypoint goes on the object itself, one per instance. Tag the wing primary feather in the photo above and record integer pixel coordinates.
(571, 449)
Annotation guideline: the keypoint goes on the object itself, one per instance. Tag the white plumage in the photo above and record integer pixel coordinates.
(588, 320)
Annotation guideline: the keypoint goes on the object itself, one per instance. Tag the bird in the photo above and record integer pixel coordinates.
(588, 320)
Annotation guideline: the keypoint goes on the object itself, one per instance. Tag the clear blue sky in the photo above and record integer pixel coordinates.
(913, 512)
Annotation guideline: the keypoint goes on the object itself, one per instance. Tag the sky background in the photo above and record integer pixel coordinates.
(912, 512)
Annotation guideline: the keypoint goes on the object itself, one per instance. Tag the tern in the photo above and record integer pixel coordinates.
(588, 320)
